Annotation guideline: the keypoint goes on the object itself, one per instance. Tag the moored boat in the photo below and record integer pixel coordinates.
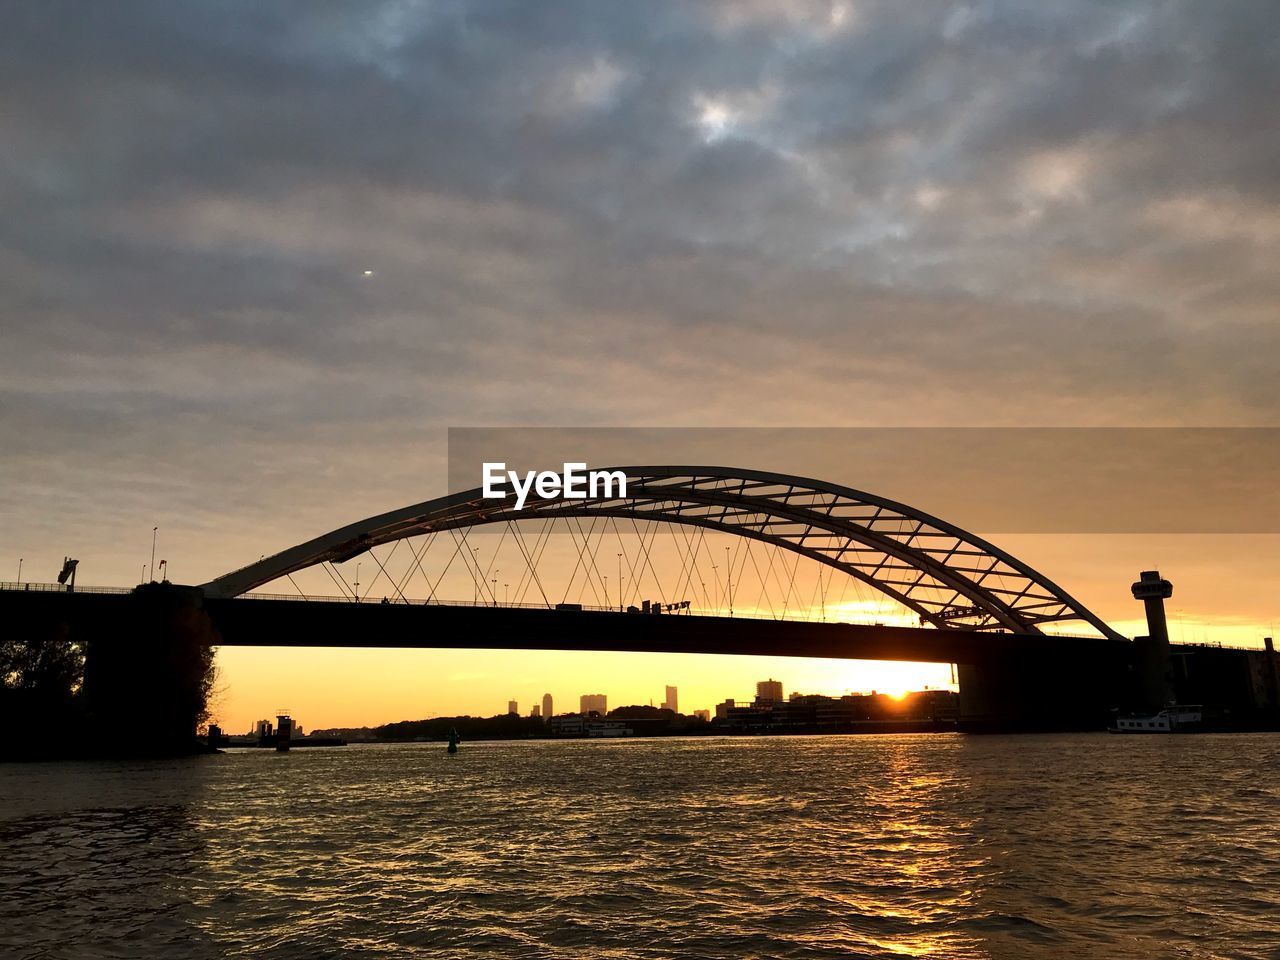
(1175, 718)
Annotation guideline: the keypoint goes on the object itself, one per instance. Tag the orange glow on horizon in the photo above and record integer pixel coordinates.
(327, 687)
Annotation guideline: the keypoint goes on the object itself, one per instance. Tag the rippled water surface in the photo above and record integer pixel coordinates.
(942, 846)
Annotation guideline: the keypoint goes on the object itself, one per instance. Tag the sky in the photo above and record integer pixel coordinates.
(255, 260)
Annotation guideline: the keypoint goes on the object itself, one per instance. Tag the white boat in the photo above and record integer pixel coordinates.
(1175, 718)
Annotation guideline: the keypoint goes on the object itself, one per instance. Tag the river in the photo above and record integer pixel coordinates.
(790, 847)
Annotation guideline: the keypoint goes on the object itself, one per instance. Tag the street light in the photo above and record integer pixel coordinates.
(357, 590)
(152, 569)
(728, 581)
(619, 582)
(19, 571)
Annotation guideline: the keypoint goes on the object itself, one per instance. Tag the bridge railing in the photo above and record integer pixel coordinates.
(737, 614)
(1211, 645)
(27, 586)
(420, 602)
(370, 601)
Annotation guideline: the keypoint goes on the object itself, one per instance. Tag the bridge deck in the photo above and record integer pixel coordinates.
(249, 621)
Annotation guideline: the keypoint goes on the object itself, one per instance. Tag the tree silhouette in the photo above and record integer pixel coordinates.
(41, 671)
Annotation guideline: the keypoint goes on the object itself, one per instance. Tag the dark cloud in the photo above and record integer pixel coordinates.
(606, 213)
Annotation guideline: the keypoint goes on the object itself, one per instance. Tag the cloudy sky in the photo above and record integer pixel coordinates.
(850, 213)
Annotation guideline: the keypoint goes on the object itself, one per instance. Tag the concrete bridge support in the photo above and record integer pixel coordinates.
(1042, 692)
(149, 670)
(147, 666)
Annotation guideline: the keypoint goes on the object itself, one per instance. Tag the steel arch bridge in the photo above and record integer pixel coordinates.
(951, 579)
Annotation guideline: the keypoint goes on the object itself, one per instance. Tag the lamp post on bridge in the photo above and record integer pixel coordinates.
(494, 581)
(728, 580)
(20, 571)
(357, 589)
(151, 570)
(619, 582)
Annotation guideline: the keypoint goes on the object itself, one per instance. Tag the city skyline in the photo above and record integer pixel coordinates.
(899, 679)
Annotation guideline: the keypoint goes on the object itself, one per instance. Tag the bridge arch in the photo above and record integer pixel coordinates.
(950, 578)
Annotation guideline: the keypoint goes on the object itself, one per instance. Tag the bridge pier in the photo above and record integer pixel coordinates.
(147, 665)
(148, 671)
(1041, 692)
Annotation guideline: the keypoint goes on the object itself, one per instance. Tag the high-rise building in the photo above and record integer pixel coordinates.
(769, 690)
(535, 711)
(546, 706)
(670, 702)
(593, 701)
(513, 707)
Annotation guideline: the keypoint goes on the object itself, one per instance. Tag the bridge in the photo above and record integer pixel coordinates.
(1027, 651)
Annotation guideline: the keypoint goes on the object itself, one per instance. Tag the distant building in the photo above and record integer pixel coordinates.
(670, 702)
(513, 707)
(263, 728)
(769, 691)
(535, 711)
(703, 714)
(757, 713)
(584, 726)
(547, 712)
(593, 701)
(815, 711)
